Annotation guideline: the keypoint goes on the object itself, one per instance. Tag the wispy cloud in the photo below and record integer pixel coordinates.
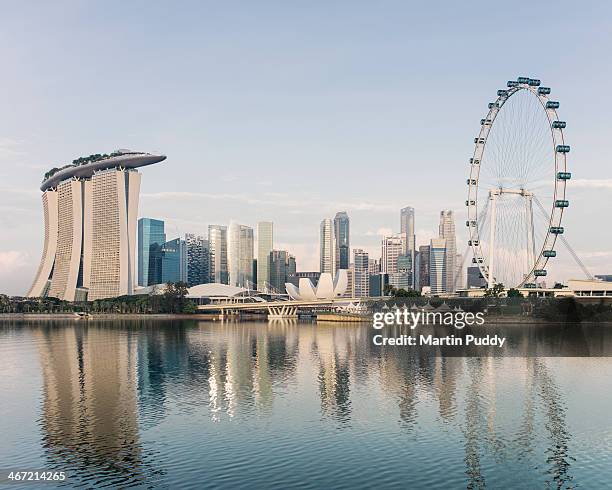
(592, 183)
(315, 203)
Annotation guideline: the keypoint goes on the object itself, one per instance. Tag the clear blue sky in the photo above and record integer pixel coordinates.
(290, 111)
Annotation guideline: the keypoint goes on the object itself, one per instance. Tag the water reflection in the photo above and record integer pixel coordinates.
(105, 385)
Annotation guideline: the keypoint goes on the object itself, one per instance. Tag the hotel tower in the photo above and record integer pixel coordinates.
(90, 210)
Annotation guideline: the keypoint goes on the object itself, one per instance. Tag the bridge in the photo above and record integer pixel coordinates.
(275, 309)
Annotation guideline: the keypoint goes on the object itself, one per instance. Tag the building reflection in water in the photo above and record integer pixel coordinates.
(89, 408)
(104, 383)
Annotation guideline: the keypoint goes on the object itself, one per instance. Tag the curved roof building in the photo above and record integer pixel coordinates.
(326, 287)
(90, 211)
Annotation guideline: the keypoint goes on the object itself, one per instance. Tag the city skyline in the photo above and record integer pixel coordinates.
(367, 127)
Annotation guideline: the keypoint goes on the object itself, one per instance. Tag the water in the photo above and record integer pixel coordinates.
(190, 404)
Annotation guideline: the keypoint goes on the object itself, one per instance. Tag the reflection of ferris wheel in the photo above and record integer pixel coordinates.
(519, 164)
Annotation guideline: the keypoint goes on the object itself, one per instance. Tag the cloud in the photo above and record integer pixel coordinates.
(592, 183)
(380, 232)
(12, 260)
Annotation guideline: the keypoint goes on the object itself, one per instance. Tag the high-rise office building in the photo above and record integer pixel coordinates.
(198, 260)
(265, 244)
(373, 266)
(342, 251)
(90, 210)
(151, 237)
(361, 273)
(447, 231)
(392, 248)
(326, 248)
(240, 255)
(424, 265)
(437, 265)
(217, 243)
(474, 278)
(459, 272)
(174, 261)
(282, 267)
(408, 234)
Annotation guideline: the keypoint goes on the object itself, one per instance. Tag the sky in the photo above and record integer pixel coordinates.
(292, 111)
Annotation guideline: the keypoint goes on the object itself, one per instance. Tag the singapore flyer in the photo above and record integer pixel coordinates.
(517, 185)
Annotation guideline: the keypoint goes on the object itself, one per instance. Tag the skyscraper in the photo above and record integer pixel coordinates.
(240, 255)
(265, 244)
(217, 242)
(392, 247)
(174, 261)
(282, 267)
(342, 251)
(151, 237)
(327, 249)
(90, 209)
(447, 231)
(424, 265)
(198, 260)
(437, 265)
(361, 274)
(407, 232)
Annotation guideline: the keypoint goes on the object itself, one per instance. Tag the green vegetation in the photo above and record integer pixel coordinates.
(494, 292)
(173, 300)
(514, 293)
(401, 292)
(77, 162)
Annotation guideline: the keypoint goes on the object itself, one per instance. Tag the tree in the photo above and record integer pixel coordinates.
(514, 293)
(495, 292)
(558, 285)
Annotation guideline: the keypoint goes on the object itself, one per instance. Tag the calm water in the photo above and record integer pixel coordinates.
(257, 405)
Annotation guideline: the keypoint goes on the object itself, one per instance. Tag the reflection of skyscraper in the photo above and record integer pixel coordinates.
(240, 255)
(217, 241)
(407, 232)
(447, 231)
(326, 249)
(90, 211)
(89, 408)
(342, 249)
(437, 265)
(151, 237)
(265, 244)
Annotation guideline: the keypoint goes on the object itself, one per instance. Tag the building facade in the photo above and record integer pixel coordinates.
(240, 255)
(265, 244)
(361, 273)
(151, 236)
(282, 268)
(408, 234)
(326, 247)
(447, 231)
(437, 266)
(198, 260)
(174, 261)
(392, 248)
(424, 265)
(342, 250)
(90, 212)
(217, 243)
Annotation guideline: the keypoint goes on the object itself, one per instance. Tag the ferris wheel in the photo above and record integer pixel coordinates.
(517, 185)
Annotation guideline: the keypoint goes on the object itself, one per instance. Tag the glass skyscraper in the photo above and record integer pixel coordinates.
(174, 261)
(217, 242)
(151, 237)
(407, 232)
(240, 255)
(265, 244)
(198, 264)
(437, 265)
(342, 240)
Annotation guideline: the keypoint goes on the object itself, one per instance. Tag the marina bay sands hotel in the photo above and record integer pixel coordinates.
(90, 210)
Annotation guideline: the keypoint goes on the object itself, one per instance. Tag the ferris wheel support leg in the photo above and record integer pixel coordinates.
(530, 233)
(493, 205)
